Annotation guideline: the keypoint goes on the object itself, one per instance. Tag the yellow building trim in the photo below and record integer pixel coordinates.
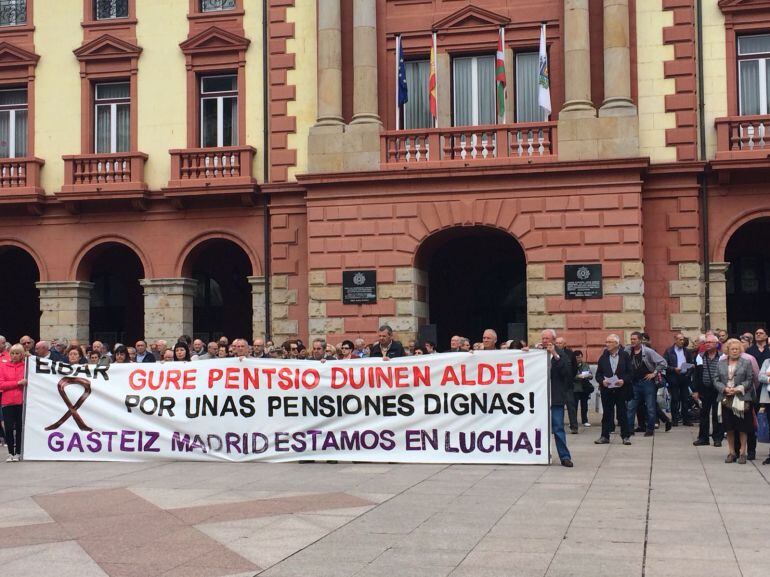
(714, 72)
(255, 118)
(304, 108)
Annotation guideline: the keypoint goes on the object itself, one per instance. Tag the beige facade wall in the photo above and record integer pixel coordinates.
(714, 72)
(57, 86)
(652, 85)
(689, 290)
(161, 86)
(304, 76)
(255, 118)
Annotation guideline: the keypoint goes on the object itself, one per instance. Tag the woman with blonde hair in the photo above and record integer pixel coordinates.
(12, 383)
(735, 383)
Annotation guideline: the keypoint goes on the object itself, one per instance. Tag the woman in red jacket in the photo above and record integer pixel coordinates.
(12, 383)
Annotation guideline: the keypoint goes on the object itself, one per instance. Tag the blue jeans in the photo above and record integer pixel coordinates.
(557, 424)
(644, 390)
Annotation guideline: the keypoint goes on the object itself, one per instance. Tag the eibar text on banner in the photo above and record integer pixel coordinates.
(484, 407)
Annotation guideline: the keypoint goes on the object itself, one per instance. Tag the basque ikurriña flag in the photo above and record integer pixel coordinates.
(544, 80)
(500, 76)
(432, 82)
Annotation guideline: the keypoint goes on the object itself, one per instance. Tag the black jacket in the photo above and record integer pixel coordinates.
(561, 377)
(624, 372)
(670, 356)
(148, 357)
(396, 350)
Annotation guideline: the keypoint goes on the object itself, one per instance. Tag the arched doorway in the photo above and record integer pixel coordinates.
(117, 299)
(476, 280)
(19, 297)
(748, 277)
(222, 303)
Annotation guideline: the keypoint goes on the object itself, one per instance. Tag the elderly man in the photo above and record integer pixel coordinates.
(104, 359)
(241, 348)
(359, 351)
(160, 348)
(198, 347)
(5, 356)
(680, 367)
(705, 390)
(211, 352)
(561, 343)
(43, 350)
(386, 347)
(561, 381)
(489, 340)
(318, 351)
(259, 349)
(28, 344)
(613, 373)
(142, 354)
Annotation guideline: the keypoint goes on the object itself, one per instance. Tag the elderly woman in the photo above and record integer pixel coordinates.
(75, 355)
(735, 383)
(12, 383)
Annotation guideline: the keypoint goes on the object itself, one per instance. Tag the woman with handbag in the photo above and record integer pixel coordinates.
(735, 383)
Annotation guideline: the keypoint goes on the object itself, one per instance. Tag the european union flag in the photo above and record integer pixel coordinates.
(402, 90)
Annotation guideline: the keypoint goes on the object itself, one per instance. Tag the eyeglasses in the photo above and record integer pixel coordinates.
(345, 347)
(26, 342)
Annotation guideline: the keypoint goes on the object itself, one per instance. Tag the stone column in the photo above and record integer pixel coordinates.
(258, 312)
(330, 63)
(64, 309)
(718, 295)
(168, 307)
(617, 61)
(577, 61)
(365, 105)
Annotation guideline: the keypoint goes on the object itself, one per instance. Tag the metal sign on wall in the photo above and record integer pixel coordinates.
(582, 281)
(359, 287)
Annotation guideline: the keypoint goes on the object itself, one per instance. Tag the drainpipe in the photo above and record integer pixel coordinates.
(266, 163)
(703, 176)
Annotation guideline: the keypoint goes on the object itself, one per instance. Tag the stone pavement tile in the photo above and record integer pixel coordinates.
(682, 532)
(31, 535)
(721, 551)
(607, 534)
(65, 559)
(22, 511)
(691, 568)
(593, 565)
(518, 544)
(378, 570)
(420, 555)
(493, 564)
(341, 569)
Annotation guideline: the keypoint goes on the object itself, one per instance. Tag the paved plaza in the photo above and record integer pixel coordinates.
(655, 509)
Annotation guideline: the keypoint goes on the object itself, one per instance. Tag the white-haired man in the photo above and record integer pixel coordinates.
(561, 380)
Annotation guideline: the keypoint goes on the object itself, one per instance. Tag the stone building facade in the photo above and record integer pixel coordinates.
(258, 158)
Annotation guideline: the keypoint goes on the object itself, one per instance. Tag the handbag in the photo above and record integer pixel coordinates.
(727, 403)
(763, 428)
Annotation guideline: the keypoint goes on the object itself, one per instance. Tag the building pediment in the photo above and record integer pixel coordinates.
(214, 39)
(107, 47)
(471, 17)
(12, 56)
(733, 6)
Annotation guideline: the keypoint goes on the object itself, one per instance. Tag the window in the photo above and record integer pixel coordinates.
(219, 111)
(113, 117)
(417, 108)
(474, 90)
(527, 74)
(13, 12)
(753, 74)
(109, 9)
(13, 123)
(216, 5)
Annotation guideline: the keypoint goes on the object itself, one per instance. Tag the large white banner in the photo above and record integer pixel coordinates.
(484, 407)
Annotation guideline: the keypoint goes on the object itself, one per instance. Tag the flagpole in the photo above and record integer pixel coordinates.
(435, 72)
(398, 64)
(505, 89)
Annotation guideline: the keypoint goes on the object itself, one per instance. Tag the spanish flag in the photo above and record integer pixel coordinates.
(432, 83)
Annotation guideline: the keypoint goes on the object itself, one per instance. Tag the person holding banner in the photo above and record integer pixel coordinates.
(561, 379)
(12, 383)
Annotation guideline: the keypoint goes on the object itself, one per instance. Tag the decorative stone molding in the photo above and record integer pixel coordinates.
(65, 309)
(281, 297)
(718, 295)
(631, 287)
(258, 313)
(689, 290)
(168, 307)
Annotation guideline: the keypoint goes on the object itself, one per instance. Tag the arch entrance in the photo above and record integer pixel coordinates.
(19, 297)
(748, 277)
(476, 280)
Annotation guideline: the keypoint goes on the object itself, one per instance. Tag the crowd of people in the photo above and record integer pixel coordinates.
(722, 383)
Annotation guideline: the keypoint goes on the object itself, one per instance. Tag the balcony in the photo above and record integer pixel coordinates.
(104, 177)
(206, 171)
(466, 145)
(743, 142)
(20, 180)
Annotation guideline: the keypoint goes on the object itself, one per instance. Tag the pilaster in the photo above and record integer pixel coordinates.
(65, 309)
(168, 307)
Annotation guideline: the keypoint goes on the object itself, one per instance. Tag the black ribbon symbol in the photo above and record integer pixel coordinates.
(72, 409)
